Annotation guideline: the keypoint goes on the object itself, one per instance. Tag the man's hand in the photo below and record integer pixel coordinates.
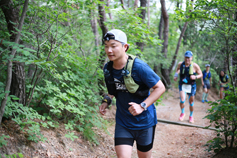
(193, 77)
(135, 109)
(175, 78)
(103, 107)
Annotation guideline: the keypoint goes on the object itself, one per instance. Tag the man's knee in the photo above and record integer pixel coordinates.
(191, 104)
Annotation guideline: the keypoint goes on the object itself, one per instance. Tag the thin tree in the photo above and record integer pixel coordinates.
(178, 44)
(164, 69)
(142, 15)
(93, 21)
(102, 20)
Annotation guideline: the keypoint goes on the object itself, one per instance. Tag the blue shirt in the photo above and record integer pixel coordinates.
(142, 75)
(206, 76)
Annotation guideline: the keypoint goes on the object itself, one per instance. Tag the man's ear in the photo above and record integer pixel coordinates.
(126, 46)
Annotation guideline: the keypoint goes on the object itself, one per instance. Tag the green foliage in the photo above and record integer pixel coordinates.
(14, 155)
(3, 141)
(34, 133)
(223, 116)
(71, 136)
(24, 116)
(64, 61)
(215, 144)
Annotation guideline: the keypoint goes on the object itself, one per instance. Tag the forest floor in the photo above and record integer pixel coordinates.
(171, 141)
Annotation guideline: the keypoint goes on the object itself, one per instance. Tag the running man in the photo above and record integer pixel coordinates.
(223, 80)
(187, 83)
(206, 82)
(136, 114)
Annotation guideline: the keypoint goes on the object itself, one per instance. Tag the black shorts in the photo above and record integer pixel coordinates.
(226, 87)
(144, 138)
(207, 85)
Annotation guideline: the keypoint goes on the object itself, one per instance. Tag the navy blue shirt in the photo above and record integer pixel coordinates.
(206, 76)
(142, 74)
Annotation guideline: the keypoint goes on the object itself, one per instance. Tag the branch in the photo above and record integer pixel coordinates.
(177, 47)
(122, 4)
(185, 124)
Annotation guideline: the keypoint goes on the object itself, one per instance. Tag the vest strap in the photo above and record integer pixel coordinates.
(131, 85)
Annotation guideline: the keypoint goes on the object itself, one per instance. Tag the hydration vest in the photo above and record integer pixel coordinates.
(223, 79)
(129, 82)
(208, 75)
(184, 75)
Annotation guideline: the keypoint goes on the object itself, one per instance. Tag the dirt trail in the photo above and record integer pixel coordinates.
(179, 141)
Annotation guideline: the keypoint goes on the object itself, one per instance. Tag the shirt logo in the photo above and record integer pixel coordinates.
(119, 85)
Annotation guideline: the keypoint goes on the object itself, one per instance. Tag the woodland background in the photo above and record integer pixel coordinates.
(51, 56)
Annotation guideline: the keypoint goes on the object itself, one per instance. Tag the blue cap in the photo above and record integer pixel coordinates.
(188, 54)
(207, 65)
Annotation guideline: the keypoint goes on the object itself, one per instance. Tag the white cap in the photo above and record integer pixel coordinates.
(118, 36)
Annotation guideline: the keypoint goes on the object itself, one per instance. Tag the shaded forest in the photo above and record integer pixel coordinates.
(52, 55)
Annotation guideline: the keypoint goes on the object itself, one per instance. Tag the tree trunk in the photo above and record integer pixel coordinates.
(17, 87)
(110, 15)
(123, 6)
(164, 69)
(93, 21)
(161, 26)
(8, 8)
(143, 4)
(234, 50)
(160, 32)
(102, 56)
(18, 82)
(102, 18)
(142, 15)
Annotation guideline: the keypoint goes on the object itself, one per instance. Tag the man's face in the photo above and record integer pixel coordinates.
(114, 49)
(222, 73)
(188, 60)
(207, 68)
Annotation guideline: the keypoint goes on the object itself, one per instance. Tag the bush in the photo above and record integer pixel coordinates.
(223, 115)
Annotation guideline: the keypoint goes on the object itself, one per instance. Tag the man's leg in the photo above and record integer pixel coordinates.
(191, 103)
(208, 88)
(145, 142)
(204, 93)
(182, 101)
(123, 140)
(206, 96)
(221, 92)
(144, 154)
(123, 151)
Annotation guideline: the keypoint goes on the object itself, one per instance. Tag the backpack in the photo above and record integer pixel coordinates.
(130, 84)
